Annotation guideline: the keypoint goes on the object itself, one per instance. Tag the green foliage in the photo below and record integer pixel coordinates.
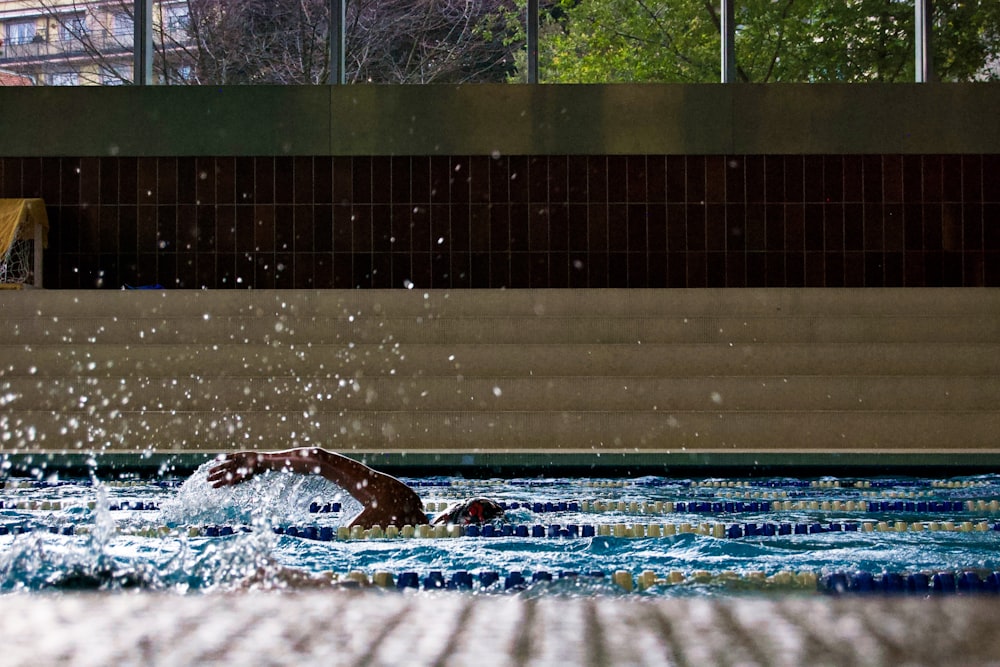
(598, 41)
(585, 41)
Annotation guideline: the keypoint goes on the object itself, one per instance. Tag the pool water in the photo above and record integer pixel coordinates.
(646, 536)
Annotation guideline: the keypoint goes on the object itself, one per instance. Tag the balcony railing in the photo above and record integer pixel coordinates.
(104, 42)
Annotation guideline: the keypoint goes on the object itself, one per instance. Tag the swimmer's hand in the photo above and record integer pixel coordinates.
(235, 468)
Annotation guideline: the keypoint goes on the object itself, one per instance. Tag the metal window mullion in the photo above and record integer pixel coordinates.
(142, 47)
(338, 22)
(728, 30)
(532, 40)
(922, 34)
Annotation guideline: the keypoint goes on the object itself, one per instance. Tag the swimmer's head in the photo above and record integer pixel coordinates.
(473, 511)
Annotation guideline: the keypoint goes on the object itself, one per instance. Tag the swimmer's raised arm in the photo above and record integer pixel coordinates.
(386, 499)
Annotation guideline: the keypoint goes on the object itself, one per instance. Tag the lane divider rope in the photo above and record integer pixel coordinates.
(731, 507)
(836, 583)
(705, 484)
(57, 505)
(743, 483)
(114, 484)
(551, 531)
(596, 507)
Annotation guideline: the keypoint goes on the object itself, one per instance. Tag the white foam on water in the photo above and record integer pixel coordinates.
(272, 498)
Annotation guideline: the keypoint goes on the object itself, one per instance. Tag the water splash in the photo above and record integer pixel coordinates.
(270, 499)
(104, 525)
(45, 561)
(110, 558)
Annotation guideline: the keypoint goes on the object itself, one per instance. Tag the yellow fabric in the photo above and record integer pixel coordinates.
(18, 218)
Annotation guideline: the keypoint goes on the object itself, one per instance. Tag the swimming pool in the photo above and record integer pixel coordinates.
(648, 536)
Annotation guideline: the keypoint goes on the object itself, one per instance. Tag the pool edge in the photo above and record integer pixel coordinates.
(610, 464)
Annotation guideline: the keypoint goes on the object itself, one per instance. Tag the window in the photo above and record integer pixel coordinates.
(184, 73)
(73, 28)
(115, 76)
(20, 32)
(176, 19)
(64, 79)
(123, 25)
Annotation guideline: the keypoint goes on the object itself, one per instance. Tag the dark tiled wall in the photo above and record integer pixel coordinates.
(517, 221)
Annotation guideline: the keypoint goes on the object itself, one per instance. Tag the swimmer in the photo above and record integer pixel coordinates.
(386, 500)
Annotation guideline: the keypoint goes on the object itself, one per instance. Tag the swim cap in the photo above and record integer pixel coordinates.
(472, 511)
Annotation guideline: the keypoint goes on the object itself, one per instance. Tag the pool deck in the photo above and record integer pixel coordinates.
(387, 628)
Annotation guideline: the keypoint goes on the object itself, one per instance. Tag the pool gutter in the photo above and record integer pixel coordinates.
(605, 464)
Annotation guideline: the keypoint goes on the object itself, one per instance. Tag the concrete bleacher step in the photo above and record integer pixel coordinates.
(720, 394)
(651, 373)
(788, 303)
(504, 330)
(645, 435)
(527, 359)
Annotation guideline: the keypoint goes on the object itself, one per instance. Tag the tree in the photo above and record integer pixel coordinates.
(430, 41)
(387, 41)
(258, 41)
(776, 40)
(282, 41)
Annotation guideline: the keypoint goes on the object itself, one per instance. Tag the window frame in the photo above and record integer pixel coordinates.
(20, 38)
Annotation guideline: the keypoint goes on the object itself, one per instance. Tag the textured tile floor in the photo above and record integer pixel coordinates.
(387, 628)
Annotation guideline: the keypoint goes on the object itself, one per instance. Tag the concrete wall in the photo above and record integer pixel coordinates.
(616, 119)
